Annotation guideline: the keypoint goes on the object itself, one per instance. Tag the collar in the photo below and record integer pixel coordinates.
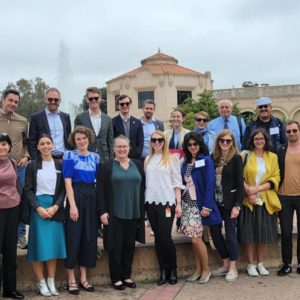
(10, 116)
(145, 122)
(94, 115)
(123, 118)
(48, 112)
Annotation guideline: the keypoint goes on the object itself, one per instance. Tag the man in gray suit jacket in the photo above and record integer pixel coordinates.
(150, 124)
(99, 122)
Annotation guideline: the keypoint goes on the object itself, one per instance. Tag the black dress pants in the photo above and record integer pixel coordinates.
(290, 204)
(162, 228)
(9, 220)
(121, 256)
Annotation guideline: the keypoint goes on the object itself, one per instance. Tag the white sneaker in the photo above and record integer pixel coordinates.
(51, 286)
(262, 270)
(251, 270)
(43, 288)
(231, 276)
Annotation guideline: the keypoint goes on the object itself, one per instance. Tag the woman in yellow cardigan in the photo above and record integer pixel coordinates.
(257, 223)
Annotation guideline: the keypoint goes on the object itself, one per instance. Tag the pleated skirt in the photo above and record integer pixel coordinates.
(257, 226)
(46, 238)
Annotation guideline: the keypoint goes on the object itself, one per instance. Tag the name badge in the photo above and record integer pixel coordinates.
(274, 130)
(199, 163)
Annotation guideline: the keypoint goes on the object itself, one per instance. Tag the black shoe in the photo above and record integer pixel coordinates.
(173, 277)
(119, 287)
(13, 295)
(87, 287)
(130, 284)
(163, 278)
(285, 270)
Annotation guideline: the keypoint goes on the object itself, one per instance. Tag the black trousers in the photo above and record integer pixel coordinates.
(121, 256)
(290, 204)
(162, 228)
(9, 220)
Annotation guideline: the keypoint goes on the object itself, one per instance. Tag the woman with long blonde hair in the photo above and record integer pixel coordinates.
(163, 202)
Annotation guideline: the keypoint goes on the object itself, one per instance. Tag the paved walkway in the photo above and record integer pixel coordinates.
(269, 287)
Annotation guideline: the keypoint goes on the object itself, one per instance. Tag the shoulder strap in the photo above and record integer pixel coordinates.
(239, 121)
(13, 163)
(247, 152)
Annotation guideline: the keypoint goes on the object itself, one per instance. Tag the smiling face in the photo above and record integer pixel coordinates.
(177, 119)
(157, 142)
(193, 147)
(225, 143)
(121, 148)
(264, 112)
(45, 146)
(4, 149)
(148, 111)
(93, 100)
(124, 106)
(10, 103)
(81, 142)
(225, 109)
(52, 101)
(259, 141)
(201, 121)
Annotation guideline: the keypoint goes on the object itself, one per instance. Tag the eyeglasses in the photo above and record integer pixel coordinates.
(193, 144)
(157, 140)
(289, 131)
(124, 103)
(122, 147)
(227, 141)
(93, 98)
(263, 106)
(201, 120)
(51, 100)
(259, 139)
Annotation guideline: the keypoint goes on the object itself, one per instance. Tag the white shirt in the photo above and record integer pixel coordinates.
(161, 180)
(96, 121)
(46, 179)
(261, 169)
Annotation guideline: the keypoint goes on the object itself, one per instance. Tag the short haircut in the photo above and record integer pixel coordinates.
(52, 89)
(4, 137)
(149, 101)
(179, 110)
(225, 100)
(83, 130)
(203, 113)
(268, 144)
(122, 137)
(10, 91)
(92, 89)
(290, 122)
(121, 97)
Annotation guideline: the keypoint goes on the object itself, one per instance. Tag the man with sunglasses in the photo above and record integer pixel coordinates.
(51, 121)
(16, 127)
(289, 195)
(99, 123)
(129, 126)
(264, 119)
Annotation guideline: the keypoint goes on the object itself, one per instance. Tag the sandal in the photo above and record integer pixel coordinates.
(73, 288)
(86, 286)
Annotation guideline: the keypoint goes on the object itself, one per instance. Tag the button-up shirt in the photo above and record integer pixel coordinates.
(148, 129)
(96, 121)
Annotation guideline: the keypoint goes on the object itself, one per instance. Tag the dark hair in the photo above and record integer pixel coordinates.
(121, 97)
(149, 101)
(4, 137)
(39, 157)
(268, 144)
(92, 89)
(179, 110)
(290, 122)
(198, 139)
(83, 130)
(10, 91)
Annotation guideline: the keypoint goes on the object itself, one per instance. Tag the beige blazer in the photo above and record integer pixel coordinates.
(183, 132)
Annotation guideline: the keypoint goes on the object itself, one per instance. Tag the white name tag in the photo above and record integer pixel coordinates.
(274, 130)
(199, 163)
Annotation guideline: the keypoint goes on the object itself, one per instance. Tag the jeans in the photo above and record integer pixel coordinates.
(21, 180)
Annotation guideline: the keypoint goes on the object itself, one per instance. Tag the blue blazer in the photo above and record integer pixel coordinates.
(136, 135)
(204, 180)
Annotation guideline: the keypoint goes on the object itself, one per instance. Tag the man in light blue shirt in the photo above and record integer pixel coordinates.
(226, 121)
(150, 124)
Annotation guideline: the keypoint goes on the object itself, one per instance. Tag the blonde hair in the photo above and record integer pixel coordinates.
(165, 150)
(217, 153)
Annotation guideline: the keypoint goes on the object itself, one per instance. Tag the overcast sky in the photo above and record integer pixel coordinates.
(237, 41)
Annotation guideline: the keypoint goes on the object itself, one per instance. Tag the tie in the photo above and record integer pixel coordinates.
(225, 123)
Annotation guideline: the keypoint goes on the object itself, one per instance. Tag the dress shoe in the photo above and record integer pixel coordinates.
(13, 295)
(222, 271)
(119, 287)
(87, 287)
(73, 288)
(203, 280)
(285, 270)
(131, 284)
(51, 286)
(193, 278)
(173, 277)
(43, 288)
(163, 278)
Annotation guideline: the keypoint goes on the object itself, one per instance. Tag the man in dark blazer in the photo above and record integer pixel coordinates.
(51, 121)
(150, 124)
(99, 123)
(129, 126)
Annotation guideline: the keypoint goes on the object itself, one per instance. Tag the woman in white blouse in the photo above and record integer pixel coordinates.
(163, 202)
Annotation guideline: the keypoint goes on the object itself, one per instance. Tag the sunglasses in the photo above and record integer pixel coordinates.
(124, 103)
(227, 141)
(158, 140)
(93, 98)
(263, 106)
(201, 120)
(193, 144)
(51, 100)
(289, 131)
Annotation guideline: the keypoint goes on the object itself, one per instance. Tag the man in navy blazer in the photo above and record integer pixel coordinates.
(129, 126)
(50, 121)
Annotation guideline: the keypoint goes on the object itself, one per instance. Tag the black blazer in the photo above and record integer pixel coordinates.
(233, 182)
(29, 199)
(39, 124)
(105, 203)
(136, 135)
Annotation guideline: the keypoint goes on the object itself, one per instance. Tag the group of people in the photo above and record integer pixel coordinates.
(116, 171)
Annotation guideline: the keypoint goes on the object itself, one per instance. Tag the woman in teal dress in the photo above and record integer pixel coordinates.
(45, 192)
